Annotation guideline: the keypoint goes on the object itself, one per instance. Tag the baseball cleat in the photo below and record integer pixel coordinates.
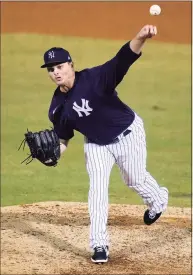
(100, 255)
(150, 217)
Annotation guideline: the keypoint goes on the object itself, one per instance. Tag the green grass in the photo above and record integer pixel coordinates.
(161, 77)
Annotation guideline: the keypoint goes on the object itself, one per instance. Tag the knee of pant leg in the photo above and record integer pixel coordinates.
(134, 181)
(98, 172)
(92, 166)
(98, 181)
(133, 177)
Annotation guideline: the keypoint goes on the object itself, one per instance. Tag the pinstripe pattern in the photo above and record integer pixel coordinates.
(130, 155)
(99, 162)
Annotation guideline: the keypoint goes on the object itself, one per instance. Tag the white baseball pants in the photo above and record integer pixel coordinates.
(130, 156)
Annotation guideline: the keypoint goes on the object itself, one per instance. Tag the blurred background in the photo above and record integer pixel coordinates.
(157, 87)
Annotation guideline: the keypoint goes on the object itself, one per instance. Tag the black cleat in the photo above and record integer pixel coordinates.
(150, 217)
(101, 254)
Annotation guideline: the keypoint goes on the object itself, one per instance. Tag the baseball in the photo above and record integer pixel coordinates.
(155, 10)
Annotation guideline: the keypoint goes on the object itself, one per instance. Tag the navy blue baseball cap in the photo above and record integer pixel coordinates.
(56, 56)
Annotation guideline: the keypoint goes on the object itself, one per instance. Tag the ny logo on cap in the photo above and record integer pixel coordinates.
(51, 54)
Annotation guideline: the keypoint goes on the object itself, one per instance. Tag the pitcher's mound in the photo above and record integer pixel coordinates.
(52, 238)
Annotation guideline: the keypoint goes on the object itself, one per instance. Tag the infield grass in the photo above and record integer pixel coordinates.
(157, 87)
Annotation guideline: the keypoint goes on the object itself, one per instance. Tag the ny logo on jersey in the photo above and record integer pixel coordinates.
(82, 109)
(51, 54)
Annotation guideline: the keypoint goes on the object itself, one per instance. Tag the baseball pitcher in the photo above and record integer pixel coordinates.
(86, 101)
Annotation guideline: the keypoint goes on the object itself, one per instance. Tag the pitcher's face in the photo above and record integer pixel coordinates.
(61, 73)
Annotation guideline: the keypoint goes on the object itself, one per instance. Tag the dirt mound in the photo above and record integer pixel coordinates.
(52, 238)
(115, 20)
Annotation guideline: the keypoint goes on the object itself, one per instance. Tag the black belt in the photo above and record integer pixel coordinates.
(117, 139)
(125, 133)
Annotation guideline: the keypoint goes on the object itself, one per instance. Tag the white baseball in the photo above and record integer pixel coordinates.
(155, 10)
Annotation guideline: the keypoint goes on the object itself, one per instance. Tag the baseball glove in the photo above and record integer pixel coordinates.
(43, 145)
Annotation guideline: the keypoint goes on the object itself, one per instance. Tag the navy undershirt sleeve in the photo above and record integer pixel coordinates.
(65, 133)
(63, 130)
